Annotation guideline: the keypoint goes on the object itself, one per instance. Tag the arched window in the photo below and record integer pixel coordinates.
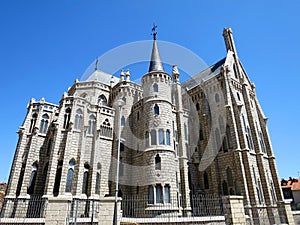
(167, 196)
(57, 178)
(156, 109)
(161, 136)
(206, 182)
(70, 176)
(32, 122)
(67, 117)
(123, 121)
(168, 137)
(32, 179)
(217, 97)
(78, 119)
(197, 106)
(153, 137)
(92, 123)
(155, 87)
(124, 99)
(229, 176)
(159, 193)
(44, 123)
(150, 195)
(102, 100)
(85, 182)
(157, 162)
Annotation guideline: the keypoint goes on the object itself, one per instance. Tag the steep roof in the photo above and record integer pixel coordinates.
(204, 75)
(103, 77)
(155, 63)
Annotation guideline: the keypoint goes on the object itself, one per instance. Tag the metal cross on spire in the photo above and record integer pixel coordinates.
(154, 33)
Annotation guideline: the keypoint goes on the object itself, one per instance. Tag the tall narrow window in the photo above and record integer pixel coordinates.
(225, 188)
(229, 176)
(228, 135)
(157, 162)
(159, 194)
(124, 99)
(97, 186)
(168, 137)
(85, 182)
(92, 123)
(244, 123)
(153, 137)
(150, 195)
(205, 178)
(161, 136)
(69, 180)
(156, 109)
(201, 136)
(32, 122)
(78, 119)
(121, 167)
(217, 97)
(123, 121)
(20, 179)
(44, 123)
(147, 139)
(155, 87)
(67, 117)
(32, 180)
(122, 147)
(197, 106)
(70, 176)
(185, 132)
(102, 100)
(167, 196)
(57, 178)
(238, 96)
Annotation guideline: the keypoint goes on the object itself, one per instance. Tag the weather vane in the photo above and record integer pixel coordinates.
(154, 33)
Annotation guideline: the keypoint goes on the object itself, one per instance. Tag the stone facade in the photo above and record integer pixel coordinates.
(207, 135)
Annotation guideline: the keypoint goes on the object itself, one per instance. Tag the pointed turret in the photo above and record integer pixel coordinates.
(155, 63)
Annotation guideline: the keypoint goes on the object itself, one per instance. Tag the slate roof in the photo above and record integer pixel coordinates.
(204, 75)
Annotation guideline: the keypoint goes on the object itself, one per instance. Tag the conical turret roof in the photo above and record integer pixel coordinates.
(155, 63)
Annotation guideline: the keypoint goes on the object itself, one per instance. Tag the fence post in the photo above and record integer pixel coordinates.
(234, 210)
(57, 210)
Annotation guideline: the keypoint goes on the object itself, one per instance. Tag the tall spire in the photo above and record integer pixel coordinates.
(155, 63)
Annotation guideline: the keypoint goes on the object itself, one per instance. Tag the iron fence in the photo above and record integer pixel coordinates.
(198, 206)
(33, 207)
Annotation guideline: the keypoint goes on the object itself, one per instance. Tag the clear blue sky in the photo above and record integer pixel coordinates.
(45, 45)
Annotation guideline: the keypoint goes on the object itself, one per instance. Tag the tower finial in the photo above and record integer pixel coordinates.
(96, 64)
(154, 33)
